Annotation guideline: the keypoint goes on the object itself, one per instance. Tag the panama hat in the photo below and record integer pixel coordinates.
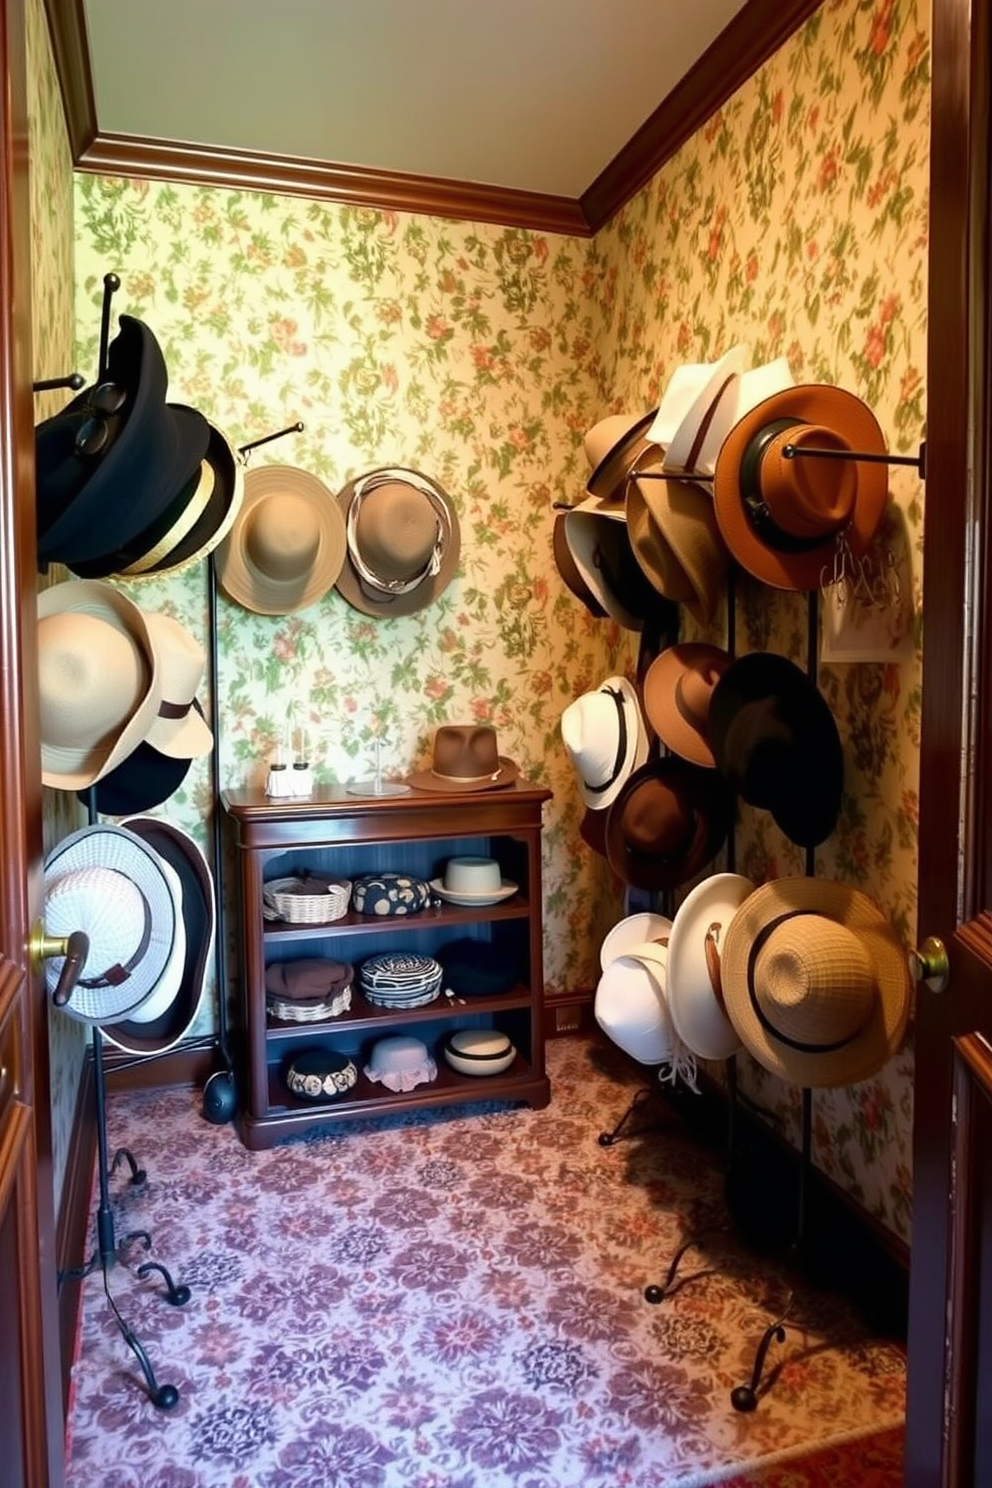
(697, 442)
(201, 518)
(678, 687)
(179, 729)
(286, 547)
(692, 397)
(675, 538)
(668, 821)
(783, 519)
(695, 945)
(403, 542)
(117, 457)
(605, 739)
(815, 981)
(100, 684)
(110, 884)
(466, 758)
(611, 446)
(775, 740)
(166, 1017)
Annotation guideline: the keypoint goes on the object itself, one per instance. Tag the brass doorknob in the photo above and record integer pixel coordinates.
(75, 948)
(929, 964)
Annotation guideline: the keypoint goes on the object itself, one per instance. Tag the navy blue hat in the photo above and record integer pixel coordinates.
(477, 968)
(143, 452)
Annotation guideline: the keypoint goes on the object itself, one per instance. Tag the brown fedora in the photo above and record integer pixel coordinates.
(675, 538)
(815, 981)
(403, 542)
(465, 759)
(611, 447)
(286, 547)
(784, 518)
(669, 820)
(677, 690)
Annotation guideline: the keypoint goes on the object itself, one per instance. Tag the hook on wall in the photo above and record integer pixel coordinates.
(74, 380)
(245, 450)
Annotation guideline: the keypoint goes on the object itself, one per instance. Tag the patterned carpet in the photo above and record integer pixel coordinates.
(455, 1300)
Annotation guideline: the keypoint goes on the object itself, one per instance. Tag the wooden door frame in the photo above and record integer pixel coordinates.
(20, 779)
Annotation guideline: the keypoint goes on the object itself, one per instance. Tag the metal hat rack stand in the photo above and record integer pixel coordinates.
(108, 1249)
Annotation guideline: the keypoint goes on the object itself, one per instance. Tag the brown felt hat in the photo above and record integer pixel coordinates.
(677, 690)
(312, 979)
(466, 759)
(783, 518)
(815, 981)
(675, 538)
(669, 820)
(611, 447)
(403, 542)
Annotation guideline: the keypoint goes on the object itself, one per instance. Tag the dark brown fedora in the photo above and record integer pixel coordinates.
(465, 759)
(668, 822)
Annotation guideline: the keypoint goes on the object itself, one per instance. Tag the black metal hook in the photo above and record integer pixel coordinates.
(793, 451)
(111, 284)
(296, 428)
(74, 380)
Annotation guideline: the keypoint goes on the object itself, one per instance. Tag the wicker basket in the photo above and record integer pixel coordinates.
(318, 908)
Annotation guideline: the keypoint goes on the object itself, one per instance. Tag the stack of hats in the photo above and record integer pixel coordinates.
(129, 485)
(310, 990)
(117, 691)
(399, 979)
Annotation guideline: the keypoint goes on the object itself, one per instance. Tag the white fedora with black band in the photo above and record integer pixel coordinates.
(605, 739)
(99, 681)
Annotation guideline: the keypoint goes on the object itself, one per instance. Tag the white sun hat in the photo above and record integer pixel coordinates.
(633, 930)
(692, 392)
(631, 1007)
(108, 883)
(695, 447)
(606, 740)
(695, 994)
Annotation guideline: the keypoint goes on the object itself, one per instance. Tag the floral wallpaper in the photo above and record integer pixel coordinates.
(52, 326)
(794, 221)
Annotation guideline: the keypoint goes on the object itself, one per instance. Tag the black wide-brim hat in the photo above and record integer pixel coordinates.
(146, 779)
(178, 849)
(775, 740)
(153, 451)
(670, 819)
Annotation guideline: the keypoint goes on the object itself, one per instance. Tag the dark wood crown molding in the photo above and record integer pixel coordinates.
(756, 32)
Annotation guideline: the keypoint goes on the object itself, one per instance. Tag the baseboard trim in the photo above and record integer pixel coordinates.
(71, 1239)
(182, 1067)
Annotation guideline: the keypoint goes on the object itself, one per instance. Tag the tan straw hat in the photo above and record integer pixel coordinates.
(783, 518)
(815, 981)
(287, 544)
(611, 447)
(678, 686)
(676, 541)
(402, 542)
(99, 681)
(180, 730)
(466, 759)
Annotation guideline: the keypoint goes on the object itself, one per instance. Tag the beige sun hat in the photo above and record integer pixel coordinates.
(286, 547)
(815, 981)
(179, 731)
(402, 543)
(611, 448)
(675, 538)
(690, 401)
(99, 681)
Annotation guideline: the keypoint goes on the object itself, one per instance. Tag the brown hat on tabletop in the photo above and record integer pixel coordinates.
(675, 538)
(466, 759)
(286, 547)
(678, 687)
(815, 981)
(669, 820)
(403, 542)
(783, 518)
(611, 448)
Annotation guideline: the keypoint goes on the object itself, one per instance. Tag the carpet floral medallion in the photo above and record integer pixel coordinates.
(453, 1299)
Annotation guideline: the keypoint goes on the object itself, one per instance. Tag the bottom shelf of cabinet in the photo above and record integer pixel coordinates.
(288, 1114)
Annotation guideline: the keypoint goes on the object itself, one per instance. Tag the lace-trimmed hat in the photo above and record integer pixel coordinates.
(403, 541)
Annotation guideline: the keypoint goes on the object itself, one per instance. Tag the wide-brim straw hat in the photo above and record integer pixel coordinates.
(678, 688)
(692, 396)
(286, 547)
(675, 538)
(605, 739)
(466, 759)
(611, 447)
(100, 683)
(403, 542)
(776, 741)
(815, 981)
(201, 521)
(669, 820)
(179, 730)
(695, 946)
(165, 1019)
(784, 519)
(107, 882)
(152, 450)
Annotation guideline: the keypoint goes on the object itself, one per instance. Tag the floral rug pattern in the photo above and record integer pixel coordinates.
(451, 1299)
